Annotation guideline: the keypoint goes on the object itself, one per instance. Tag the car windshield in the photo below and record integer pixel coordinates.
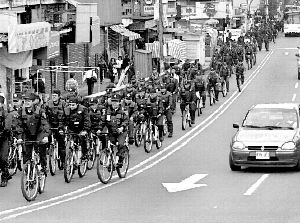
(271, 118)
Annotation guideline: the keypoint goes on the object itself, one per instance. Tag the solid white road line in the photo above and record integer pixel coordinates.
(296, 85)
(253, 188)
(294, 97)
(51, 201)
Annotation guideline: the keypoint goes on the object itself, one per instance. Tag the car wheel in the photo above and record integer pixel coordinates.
(297, 167)
(232, 166)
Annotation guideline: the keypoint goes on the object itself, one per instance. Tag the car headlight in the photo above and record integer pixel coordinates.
(238, 146)
(288, 146)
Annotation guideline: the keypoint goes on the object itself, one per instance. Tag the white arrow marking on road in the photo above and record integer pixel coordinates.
(296, 85)
(186, 184)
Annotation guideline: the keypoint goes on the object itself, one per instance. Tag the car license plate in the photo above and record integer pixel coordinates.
(262, 155)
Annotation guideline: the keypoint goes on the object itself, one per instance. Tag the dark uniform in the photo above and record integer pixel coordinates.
(35, 127)
(117, 118)
(188, 97)
(165, 98)
(78, 121)
(240, 69)
(55, 112)
(9, 125)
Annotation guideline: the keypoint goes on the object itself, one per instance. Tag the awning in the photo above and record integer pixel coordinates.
(125, 32)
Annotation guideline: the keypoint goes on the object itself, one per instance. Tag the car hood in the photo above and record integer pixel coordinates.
(266, 136)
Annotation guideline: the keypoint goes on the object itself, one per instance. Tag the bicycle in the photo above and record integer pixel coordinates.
(224, 87)
(199, 103)
(212, 96)
(186, 117)
(108, 161)
(54, 158)
(151, 135)
(32, 179)
(15, 157)
(139, 130)
(165, 125)
(74, 158)
(238, 81)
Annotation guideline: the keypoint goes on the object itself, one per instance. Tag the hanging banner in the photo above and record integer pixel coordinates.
(15, 61)
(26, 37)
(215, 10)
(54, 45)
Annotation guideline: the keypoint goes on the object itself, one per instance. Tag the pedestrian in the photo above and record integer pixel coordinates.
(112, 69)
(72, 84)
(126, 62)
(91, 79)
(119, 66)
(103, 68)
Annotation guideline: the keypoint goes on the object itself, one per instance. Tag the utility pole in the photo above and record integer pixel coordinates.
(160, 36)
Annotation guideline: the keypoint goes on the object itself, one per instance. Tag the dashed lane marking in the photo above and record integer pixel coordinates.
(253, 188)
(294, 97)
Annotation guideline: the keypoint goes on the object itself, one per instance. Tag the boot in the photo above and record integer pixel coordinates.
(170, 134)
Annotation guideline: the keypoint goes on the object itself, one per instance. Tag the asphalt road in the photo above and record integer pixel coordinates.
(196, 158)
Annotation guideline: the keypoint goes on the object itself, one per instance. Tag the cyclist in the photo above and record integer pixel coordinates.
(8, 122)
(213, 78)
(248, 55)
(165, 98)
(35, 128)
(188, 97)
(225, 73)
(154, 110)
(55, 111)
(240, 69)
(200, 88)
(130, 108)
(117, 122)
(78, 121)
(172, 87)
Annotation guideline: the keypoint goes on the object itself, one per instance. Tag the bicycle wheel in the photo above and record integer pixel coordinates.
(122, 170)
(224, 89)
(184, 120)
(239, 84)
(42, 182)
(165, 125)
(52, 160)
(29, 181)
(82, 168)
(148, 141)
(211, 101)
(13, 163)
(189, 120)
(69, 167)
(158, 143)
(91, 155)
(104, 166)
(138, 137)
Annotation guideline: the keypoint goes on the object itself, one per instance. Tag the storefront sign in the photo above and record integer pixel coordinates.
(54, 45)
(25, 37)
(216, 10)
(149, 9)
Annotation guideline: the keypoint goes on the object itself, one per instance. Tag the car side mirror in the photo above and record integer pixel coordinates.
(236, 126)
(297, 55)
